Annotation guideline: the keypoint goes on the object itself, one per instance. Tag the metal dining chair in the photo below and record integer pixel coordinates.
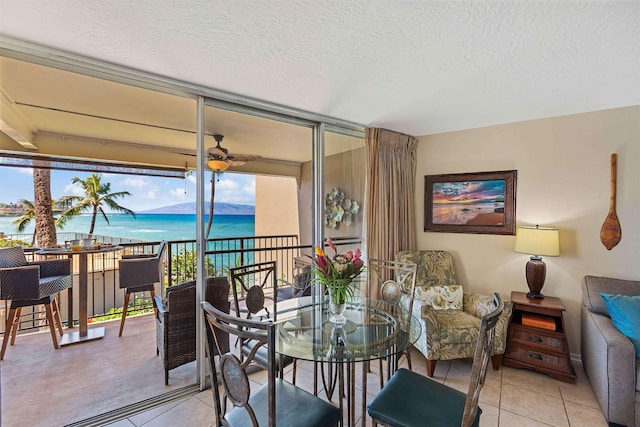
(413, 400)
(276, 403)
(29, 284)
(395, 283)
(256, 284)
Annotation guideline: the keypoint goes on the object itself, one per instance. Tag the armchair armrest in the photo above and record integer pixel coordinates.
(431, 331)
(20, 283)
(609, 360)
(53, 267)
(159, 305)
(477, 305)
(161, 309)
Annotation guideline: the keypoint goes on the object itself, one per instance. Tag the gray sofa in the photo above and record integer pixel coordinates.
(608, 356)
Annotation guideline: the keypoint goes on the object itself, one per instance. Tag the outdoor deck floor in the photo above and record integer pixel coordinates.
(46, 387)
(41, 386)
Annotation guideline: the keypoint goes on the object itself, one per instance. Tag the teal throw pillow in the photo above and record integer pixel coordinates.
(624, 311)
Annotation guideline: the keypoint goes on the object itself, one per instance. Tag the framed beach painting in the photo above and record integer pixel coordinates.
(481, 202)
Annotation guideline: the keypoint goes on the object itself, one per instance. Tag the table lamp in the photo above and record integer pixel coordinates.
(537, 241)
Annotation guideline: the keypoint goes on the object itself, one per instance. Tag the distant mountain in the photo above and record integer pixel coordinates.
(190, 209)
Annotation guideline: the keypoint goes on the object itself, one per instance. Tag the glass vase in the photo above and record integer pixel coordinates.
(336, 308)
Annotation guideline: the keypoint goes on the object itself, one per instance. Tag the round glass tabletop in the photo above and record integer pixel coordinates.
(374, 329)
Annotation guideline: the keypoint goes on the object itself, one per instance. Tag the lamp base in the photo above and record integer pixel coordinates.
(536, 271)
(535, 295)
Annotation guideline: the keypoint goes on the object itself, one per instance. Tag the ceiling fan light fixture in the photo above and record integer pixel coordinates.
(218, 165)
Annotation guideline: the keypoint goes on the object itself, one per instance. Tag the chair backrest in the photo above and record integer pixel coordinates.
(435, 268)
(481, 357)
(12, 257)
(252, 281)
(217, 294)
(390, 279)
(144, 269)
(233, 373)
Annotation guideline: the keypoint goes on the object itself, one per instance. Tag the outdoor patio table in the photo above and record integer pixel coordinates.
(374, 330)
(84, 333)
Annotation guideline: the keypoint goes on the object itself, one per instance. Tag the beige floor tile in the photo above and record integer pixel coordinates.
(580, 415)
(509, 419)
(191, 412)
(539, 406)
(490, 393)
(581, 392)
(146, 416)
(121, 423)
(490, 416)
(532, 380)
(206, 397)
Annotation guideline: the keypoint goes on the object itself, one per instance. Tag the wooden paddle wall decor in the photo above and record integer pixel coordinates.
(611, 233)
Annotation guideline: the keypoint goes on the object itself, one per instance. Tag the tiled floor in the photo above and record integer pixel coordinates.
(510, 398)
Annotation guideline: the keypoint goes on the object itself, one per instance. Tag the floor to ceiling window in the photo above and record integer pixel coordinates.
(90, 123)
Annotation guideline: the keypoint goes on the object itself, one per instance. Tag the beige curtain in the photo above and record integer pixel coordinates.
(390, 207)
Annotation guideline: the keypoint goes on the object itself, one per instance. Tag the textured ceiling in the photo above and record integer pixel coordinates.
(415, 67)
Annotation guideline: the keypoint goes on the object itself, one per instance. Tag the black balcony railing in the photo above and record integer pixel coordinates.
(106, 298)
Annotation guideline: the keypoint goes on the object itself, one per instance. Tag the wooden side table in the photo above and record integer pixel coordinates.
(536, 348)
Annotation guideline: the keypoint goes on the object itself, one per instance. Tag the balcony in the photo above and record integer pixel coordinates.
(43, 386)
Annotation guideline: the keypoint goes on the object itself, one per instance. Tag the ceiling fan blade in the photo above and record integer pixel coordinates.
(233, 162)
(182, 153)
(243, 157)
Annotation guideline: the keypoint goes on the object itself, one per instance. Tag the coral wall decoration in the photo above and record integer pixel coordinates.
(338, 208)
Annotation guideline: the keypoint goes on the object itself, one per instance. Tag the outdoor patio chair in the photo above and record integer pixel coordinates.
(276, 403)
(29, 284)
(410, 399)
(300, 287)
(176, 321)
(140, 273)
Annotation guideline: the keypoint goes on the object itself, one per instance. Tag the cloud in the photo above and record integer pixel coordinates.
(249, 188)
(178, 193)
(227, 185)
(135, 182)
(26, 171)
(73, 190)
(192, 179)
(151, 195)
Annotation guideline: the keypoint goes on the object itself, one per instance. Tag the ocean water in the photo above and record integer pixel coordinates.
(152, 227)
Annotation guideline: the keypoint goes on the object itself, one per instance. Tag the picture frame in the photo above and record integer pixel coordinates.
(480, 202)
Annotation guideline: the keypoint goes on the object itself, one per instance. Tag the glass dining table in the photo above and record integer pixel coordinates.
(374, 330)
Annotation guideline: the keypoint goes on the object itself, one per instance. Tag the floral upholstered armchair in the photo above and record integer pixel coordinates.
(450, 317)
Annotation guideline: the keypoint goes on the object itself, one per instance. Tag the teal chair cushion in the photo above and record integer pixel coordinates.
(294, 408)
(413, 400)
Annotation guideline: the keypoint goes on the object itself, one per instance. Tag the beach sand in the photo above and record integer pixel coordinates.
(487, 219)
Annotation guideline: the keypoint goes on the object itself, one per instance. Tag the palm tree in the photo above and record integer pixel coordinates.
(29, 214)
(45, 229)
(96, 194)
(211, 204)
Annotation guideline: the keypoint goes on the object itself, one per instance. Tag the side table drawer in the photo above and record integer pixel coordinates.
(559, 362)
(538, 338)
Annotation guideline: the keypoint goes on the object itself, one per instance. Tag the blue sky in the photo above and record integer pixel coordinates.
(147, 192)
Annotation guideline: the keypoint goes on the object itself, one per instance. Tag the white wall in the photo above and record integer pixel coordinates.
(563, 166)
